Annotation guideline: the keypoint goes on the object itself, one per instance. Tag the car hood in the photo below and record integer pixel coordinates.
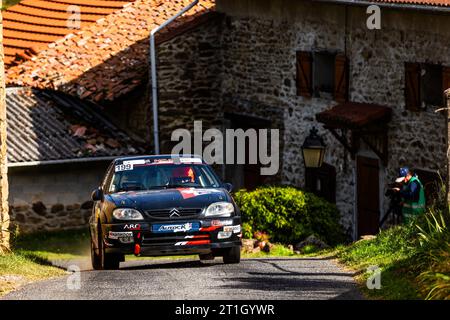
(169, 198)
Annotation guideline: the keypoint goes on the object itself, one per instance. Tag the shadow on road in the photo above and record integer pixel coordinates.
(148, 265)
(273, 263)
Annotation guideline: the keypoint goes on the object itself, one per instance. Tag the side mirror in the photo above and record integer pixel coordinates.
(228, 186)
(97, 194)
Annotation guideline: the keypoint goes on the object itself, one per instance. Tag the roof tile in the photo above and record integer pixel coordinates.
(105, 60)
(48, 125)
(31, 23)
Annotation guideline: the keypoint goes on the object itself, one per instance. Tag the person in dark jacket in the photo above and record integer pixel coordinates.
(412, 193)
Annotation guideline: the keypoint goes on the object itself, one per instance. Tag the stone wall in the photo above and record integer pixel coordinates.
(244, 62)
(189, 66)
(53, 197)
(262, 52)
(260, 42)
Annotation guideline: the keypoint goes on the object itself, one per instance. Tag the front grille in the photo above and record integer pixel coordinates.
(164, 239)
(174, 213)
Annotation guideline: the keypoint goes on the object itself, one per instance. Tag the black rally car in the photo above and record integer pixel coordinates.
(163, 205)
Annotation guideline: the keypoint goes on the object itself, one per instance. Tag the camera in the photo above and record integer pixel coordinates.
(391, 192)
(395, 199)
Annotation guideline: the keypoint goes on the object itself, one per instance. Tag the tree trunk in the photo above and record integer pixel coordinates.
(4, 215)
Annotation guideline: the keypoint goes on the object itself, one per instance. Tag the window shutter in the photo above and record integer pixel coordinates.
(412, 86)
(304, 74)
(446, 78)
(341, 78)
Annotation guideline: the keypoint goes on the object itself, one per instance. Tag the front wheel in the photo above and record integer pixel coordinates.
(232, 255)
(106, 261)
(95, 258)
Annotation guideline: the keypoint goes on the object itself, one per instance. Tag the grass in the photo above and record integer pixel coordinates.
(61, 245)
(278, 250)
(414, 260)
(392, 256)
(29, 259)
(17, 269)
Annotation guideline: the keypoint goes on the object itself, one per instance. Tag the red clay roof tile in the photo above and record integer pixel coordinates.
(107, 59)
(31, 23)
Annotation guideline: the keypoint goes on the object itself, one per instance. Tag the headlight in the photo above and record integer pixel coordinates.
(127, 214)
(219, 209)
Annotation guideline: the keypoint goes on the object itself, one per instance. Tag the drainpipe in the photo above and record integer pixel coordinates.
(153, 72)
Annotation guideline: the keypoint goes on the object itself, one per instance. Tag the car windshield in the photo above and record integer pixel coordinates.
(162, 176)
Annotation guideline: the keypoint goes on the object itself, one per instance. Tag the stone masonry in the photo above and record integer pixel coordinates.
(244, 63)
(53, 197)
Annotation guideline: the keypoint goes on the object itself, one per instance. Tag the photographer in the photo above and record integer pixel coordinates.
(412, 194)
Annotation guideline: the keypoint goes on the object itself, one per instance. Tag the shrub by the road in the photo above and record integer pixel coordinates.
(289, 215)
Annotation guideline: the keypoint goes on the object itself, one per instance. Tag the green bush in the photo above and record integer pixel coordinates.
(289, 215)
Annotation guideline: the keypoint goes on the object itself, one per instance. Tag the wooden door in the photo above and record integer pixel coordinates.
(246, 175)
(368, 196)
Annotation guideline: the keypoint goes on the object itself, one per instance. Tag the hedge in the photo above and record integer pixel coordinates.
(289, 215)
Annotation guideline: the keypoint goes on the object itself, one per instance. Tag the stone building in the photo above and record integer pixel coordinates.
(58, 151)
(376, 96)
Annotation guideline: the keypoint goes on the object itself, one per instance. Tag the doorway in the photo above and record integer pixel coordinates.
(244, 175)
(368, 195)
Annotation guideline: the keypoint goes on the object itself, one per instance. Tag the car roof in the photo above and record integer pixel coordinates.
(162, 156)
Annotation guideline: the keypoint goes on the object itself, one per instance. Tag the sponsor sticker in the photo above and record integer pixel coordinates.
(181, 227)
(162, 161)
(132, 227)
(117, 235)
(128, 165)
(233, 229)
(190, 160)
(219, 223)
(188, 193)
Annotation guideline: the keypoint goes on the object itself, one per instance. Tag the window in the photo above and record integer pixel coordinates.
(322, 74)
(425, 84)
(431, 84)
(161, 176)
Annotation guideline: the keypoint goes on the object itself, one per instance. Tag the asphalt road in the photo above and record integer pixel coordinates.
(283, 278)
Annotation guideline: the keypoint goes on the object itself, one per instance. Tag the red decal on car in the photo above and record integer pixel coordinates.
(210, 228)
(197, 236)
(187, 193)
(192, 243)
(198, 242)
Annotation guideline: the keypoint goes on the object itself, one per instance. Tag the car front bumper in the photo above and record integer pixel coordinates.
(212, 236)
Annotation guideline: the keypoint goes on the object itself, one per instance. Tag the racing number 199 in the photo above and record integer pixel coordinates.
(124, 167)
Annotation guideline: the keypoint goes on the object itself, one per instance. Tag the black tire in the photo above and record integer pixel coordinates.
(108, 261)
(111, 261)
(232, 255)
(95, 257)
